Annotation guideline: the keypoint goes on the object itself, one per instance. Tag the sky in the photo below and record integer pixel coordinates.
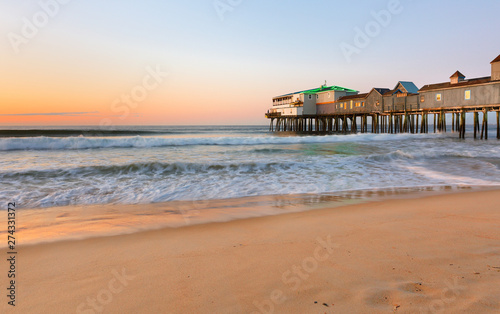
(220, 62)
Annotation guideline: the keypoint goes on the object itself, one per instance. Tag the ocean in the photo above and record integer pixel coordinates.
(79, 182)
(52, 167)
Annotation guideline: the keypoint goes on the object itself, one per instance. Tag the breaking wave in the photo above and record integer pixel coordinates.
(79, 143)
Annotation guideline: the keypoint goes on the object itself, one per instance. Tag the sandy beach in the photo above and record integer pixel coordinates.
(424, 255)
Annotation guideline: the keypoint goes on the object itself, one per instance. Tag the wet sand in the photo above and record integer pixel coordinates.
(427, 254)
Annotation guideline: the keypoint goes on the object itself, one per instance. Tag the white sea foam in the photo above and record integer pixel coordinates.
(450, 178)
(80, 142)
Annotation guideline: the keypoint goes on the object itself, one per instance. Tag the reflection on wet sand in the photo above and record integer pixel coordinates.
(79, 222)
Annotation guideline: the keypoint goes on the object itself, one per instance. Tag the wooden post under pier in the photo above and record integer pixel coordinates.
(390, 124)
(444, 122)
(484, 130)
(462, 125)
(476, 124)
(498, 125)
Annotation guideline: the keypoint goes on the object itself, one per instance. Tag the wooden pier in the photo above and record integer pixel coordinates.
(391, 122)
(403, 109)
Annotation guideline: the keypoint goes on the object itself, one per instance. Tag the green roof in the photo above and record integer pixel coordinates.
(322, 89)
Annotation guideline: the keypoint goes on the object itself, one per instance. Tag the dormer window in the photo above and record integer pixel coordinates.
(457, 77)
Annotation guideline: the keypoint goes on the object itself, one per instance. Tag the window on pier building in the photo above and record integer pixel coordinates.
(467, 95)
(439, 97)
(422, 98)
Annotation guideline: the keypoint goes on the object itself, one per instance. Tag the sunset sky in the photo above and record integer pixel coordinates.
(105, 62)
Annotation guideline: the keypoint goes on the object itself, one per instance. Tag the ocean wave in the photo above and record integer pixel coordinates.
(274, 163)
(81, 143)
(133, 131)
(446, 177)
(151, 168)
(153, 182)
(436, 154)
(40, 172)
(75, 133)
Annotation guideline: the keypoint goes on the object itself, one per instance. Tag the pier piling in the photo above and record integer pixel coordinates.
(390, 122)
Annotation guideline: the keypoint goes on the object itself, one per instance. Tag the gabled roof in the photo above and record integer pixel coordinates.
(457, 74)
(403, 87)
(476, 81)
(322, 89)
(352, 97)
(497, 59)
(381, 91)
(409, 87)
